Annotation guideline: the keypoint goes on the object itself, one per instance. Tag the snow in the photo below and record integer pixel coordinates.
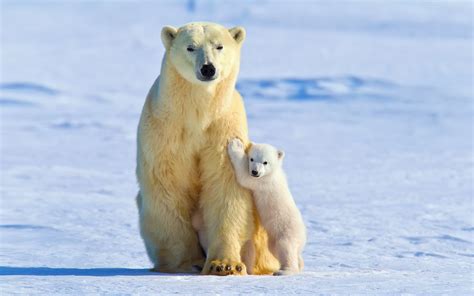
(372, 102)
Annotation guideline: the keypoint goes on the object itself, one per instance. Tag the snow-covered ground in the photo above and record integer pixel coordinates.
(372, 102)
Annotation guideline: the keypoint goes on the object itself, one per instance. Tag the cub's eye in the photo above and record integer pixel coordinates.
(190, 49)
(219, 47)
(265, 163)
(251, 159)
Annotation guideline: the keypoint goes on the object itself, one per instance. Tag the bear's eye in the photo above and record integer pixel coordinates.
(251, 159)
(219, 47)
(190, 49)
(265, 163)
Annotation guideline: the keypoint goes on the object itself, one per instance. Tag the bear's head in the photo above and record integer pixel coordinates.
(264, 159)
(203, 53)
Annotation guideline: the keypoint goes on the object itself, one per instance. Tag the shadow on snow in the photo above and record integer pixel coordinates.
(49, 271)
(320, 88)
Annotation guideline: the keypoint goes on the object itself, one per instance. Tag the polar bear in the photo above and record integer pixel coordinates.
(190, 112)
(262, 173)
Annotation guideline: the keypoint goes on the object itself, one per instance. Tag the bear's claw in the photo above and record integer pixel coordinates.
(225, 267)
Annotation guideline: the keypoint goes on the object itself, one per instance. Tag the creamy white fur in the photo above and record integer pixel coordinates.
(275, 205)
(182, 162)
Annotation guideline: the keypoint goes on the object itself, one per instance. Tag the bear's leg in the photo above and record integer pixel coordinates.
(288, 256)
(248, 256)
(300, 263)
(170, 240)
(265, 261)
(198, 225)
(227, 211)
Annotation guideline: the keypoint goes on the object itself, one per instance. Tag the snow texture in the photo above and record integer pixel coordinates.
(371, 100)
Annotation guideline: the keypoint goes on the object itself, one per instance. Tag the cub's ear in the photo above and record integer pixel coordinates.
(249, 146)
(238, 33)
(281, 154)
(168, 34)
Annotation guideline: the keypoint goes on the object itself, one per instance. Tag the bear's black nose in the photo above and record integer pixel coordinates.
(208, 70)
(254, 173)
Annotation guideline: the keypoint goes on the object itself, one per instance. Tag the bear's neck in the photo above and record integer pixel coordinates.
(207, 102)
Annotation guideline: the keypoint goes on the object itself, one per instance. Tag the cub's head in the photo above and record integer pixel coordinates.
(203, 52)
(264, 159)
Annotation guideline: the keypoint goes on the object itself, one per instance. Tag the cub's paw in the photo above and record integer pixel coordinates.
(235, 146)
(225, 267)
(285, 272)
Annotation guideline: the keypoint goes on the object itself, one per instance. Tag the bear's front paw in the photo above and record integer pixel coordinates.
(225, 267)
(235, 147)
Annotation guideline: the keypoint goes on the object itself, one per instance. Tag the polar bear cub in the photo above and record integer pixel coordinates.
(261, 172)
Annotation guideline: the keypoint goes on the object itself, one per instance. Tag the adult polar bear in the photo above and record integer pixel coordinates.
(190, 114)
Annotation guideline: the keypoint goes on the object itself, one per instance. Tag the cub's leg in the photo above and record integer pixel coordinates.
(287, 254)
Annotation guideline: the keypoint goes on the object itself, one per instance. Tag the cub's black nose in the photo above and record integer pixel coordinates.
(208, 70)
(254, 173)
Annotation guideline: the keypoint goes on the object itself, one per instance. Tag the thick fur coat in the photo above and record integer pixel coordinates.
(261, 171)
(182, 162)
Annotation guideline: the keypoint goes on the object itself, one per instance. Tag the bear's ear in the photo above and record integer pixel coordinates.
(281, 154)
(238, 33)
(168, 34)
